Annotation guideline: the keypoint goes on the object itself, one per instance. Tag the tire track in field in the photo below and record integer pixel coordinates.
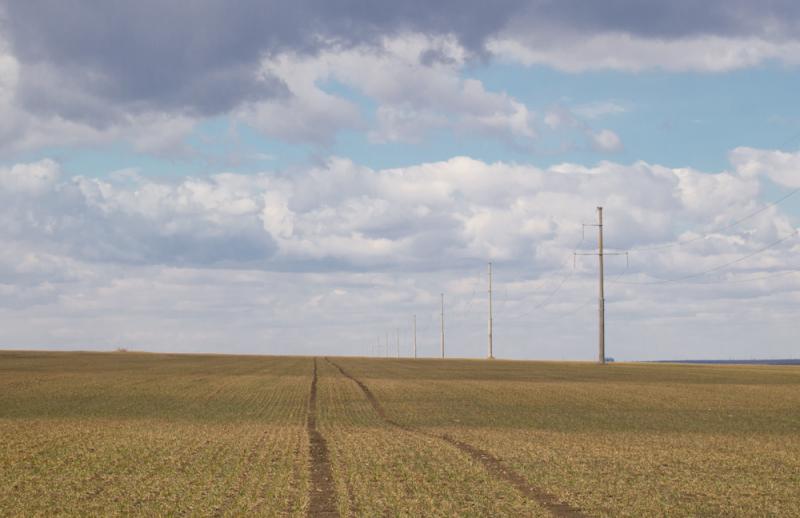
(491, 463)
(323, 494)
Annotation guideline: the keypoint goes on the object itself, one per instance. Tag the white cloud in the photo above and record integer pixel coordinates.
(414, 92)
(405, 124)
(202, 263)
(287, 83)
(599, 109)
(607, 141)
(30, 178)
(624, 51)
(779, 166)
(308, 114)
(345, 212)
(559, 117)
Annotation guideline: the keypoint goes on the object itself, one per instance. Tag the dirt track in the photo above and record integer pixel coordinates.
(323, 493)
(490, 462)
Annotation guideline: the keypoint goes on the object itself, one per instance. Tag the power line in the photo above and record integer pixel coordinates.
(570, 312)
(752, 279)
(477, 283)
(716, 268)
(564, 280)
(735, 223)
(720, 229)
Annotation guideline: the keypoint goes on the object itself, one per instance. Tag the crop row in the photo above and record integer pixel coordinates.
(625, 440)
(149, 435)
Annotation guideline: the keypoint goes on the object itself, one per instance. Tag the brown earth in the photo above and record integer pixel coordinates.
(323, 494)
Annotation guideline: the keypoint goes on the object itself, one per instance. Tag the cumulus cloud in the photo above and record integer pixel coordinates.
(198, 57)
(341, 249)
(781, 167)
(79, 72)
(341, 214)
(414, 93)
(30, 178)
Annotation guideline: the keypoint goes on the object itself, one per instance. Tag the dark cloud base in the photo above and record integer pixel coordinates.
(95, 61)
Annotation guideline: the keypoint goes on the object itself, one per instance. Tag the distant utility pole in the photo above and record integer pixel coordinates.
(387, 344)
(415, 336)
(491, 354)
(378, 347)
(442, 325)
(601, 300)
(397, 332)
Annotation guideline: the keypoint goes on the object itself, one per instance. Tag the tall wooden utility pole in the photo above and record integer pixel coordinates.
(491, 353)
(442, 325)
(601, 299)
(601, 338)
(397, 332)
(387, 344)
(415, 336)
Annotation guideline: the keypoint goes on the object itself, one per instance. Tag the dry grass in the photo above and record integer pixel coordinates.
(122, 434)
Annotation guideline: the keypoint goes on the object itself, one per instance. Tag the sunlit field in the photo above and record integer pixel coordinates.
(129, 433)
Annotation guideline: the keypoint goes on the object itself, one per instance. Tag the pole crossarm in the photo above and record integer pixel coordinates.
(597, 253)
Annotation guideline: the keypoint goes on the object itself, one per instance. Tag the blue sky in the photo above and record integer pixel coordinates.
(675, 119)
(252, 178)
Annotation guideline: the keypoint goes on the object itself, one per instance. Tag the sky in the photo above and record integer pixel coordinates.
(266, 177)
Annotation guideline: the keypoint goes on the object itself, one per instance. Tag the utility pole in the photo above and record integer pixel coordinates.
(415, 337)
(442, 325)
(491, 354)
(397, 332)
(387, 344)
(601, 300)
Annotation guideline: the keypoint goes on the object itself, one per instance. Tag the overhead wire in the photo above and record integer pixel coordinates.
(466, 309)
(565, 277)
(734, 223)
(753, 279)
(564, 314)
(716, 268)
(720, 229)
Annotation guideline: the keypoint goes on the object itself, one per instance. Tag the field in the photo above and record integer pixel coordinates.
(147, 434)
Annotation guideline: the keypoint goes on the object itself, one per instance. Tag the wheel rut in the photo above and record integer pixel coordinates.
(322, 500)
(491, 463)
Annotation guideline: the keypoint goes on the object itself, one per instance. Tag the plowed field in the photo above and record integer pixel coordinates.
(147, 434)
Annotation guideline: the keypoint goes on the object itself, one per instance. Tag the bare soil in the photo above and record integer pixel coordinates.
(322, 501)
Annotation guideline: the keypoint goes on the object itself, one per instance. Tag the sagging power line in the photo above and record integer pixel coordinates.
(601, 253)
(716, 268)
(720, 229)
